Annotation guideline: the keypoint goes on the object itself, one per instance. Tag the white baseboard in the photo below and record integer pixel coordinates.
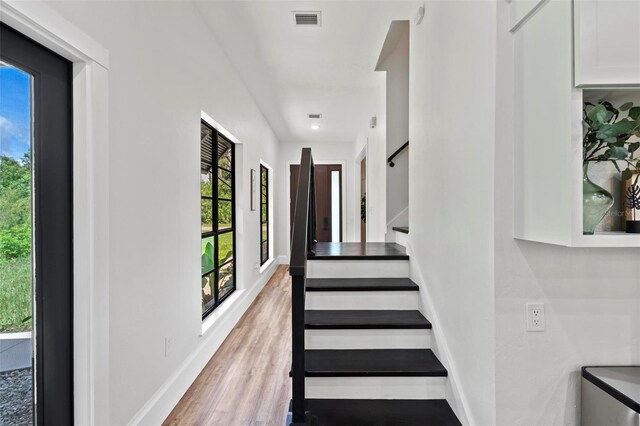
(159, 406)
(455, 395)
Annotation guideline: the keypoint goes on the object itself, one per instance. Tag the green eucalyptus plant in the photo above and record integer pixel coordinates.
(607, 134)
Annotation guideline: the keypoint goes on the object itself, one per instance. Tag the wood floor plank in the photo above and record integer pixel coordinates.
(247, 381)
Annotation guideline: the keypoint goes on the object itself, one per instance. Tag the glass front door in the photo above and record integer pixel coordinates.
(36, 245)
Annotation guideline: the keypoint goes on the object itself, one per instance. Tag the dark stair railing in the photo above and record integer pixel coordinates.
(302, 240)
(395, 154)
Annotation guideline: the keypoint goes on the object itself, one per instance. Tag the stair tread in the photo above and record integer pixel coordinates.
(358, 251)
(403, 229)
(361, 284)
(365, 319)
(381, 412)
(372, 362)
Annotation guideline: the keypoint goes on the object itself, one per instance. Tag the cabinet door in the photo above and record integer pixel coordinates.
(607, 42)
(544, 113)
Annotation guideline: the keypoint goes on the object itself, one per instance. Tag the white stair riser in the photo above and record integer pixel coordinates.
(362, 300)
(358, 269)
(368, 339)
(376, 387)
(401, 238)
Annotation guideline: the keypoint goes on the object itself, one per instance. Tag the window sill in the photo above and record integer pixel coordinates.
(220, 311)
(266, 265)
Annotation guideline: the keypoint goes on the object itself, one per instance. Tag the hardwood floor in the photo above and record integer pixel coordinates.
(247, 380)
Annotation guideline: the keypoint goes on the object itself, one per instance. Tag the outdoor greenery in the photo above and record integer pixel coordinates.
(224, 207)
(607, 134)
(15, 244)
(15, 294)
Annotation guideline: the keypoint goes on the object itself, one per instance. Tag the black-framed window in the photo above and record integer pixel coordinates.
(217, 211)
(264, 214)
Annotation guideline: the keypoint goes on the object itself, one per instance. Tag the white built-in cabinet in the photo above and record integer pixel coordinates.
(607, 42)
(548, 115)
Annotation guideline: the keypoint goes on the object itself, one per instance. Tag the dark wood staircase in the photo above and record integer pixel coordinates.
(366, 361)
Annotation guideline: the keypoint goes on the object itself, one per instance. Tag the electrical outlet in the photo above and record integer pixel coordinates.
(168, 346)
(535, 316)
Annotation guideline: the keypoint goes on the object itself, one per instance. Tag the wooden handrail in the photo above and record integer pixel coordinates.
(302, 240)
(395, 154)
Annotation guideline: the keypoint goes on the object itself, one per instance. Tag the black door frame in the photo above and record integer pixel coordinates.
(52, 164)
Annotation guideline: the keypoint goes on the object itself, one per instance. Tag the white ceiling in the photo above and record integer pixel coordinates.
(292, 71)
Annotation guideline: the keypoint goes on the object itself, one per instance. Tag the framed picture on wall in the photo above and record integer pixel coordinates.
(254, 201)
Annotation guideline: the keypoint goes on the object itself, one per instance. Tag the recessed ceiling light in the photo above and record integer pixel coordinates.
(315, 127)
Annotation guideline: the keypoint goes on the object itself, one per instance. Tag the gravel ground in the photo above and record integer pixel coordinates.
(16, 398)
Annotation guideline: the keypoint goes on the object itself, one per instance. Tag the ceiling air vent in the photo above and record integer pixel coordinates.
(307, 18)
(315, 115)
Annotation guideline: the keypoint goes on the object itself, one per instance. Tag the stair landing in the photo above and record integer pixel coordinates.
(403, 229)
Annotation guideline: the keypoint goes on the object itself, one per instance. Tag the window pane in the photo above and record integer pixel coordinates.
(226, 280)
(206, 215)
(224, 154)
(207, 291)
(16, 283)
(205, 184)
(206, 149)
(265, 252)
(224, 180)
(224, 186)
(224, 214)
(263, 177)
(264, 232)
(335, 206)
(263, 213)
(225, 247)
(208, 252)
(225, 161)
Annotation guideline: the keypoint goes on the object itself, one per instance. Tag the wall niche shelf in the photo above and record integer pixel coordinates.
(548, 135)
(607, 239)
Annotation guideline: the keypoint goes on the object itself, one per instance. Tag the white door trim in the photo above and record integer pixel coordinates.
(39, 21)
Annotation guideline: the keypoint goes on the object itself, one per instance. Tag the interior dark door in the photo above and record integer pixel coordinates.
(328, 201)
(50, 155)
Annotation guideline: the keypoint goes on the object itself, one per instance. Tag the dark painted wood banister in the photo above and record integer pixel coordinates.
(395, 154)
(302, 240)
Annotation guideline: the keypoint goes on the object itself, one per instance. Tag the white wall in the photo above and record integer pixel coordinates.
(451, 170)
(166, 68)
(373, 140)
(591, 296)
(396, 67)
(329, 152)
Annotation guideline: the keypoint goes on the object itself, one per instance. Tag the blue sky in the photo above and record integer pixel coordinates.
(15, 112)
